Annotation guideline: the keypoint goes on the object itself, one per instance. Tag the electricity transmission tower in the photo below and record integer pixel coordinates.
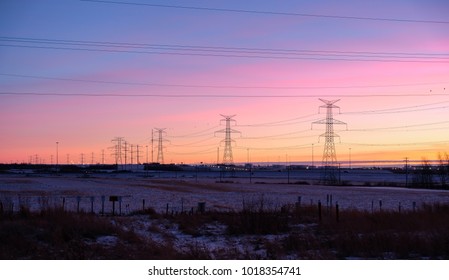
(330, 165)
(160, 152)
(227, 155)
(118, 149)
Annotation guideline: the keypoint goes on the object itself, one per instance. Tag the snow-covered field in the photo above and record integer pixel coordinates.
(183, 193)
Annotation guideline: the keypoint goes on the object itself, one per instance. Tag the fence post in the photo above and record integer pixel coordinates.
(337, 214)
(103, 198)
(380, 204)
(78, 200)
(201, 207)
(166, 209)
(92, 204)
(120, 205)
(63, 204)
(298, 203)
(143, 205)
(414, 206)
(400, 207)
(319, 210)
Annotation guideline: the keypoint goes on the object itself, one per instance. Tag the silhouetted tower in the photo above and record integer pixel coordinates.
(160, 152)
(227, 155)
(330, 165)
(119, 142)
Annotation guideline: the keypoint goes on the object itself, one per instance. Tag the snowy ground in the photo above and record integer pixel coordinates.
(183, 193)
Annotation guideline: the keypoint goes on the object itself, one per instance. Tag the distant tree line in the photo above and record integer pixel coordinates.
(428, 176)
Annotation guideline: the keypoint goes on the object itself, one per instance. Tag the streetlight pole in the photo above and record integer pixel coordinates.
(350, 158)
(312, 156)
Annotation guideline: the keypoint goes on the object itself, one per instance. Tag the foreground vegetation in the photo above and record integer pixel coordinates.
(291, 231)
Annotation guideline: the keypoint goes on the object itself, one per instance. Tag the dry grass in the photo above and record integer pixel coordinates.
(298, 232)
(55, 234)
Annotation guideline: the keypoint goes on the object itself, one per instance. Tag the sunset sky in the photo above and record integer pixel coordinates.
(84, 72)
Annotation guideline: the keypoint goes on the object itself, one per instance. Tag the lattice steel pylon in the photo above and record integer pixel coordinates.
(227, 155)
(329, 164)
(160, 147)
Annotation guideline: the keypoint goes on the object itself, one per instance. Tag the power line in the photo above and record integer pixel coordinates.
(228, 10)
(195, 134)
(214, 86)
(397, 127)
(90, 46)
(219, 95)
(228, 55)
(222, 49)
(396, 144)
(402, 109)
(304, 146)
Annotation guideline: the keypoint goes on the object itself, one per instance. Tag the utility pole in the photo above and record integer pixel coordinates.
(312, 157)
(330, 165)
(102, 156)
(227, 155)
(82, 159)
(406, 172)
(57, 154)
(137, 160)
(152, 146)
(350, 167)
(126, 152)
(147, 155)
(218, 155)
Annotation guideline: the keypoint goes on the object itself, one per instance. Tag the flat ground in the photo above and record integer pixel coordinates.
(183, 193)
(169, 229)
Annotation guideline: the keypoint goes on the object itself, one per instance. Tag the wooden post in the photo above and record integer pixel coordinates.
(103, 198)
(201, 207)
(372, 206)
(380, 204)
(319, 210)
(298, 203)
(78, 200)
(63, 204)
(337, 214)
(120, 205)
(143, 205)
(400, 207)
(92, 204)
(113, 198)
(166, 209)
(414, 206)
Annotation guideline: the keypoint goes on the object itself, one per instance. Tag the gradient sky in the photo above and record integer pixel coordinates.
(394, 109)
